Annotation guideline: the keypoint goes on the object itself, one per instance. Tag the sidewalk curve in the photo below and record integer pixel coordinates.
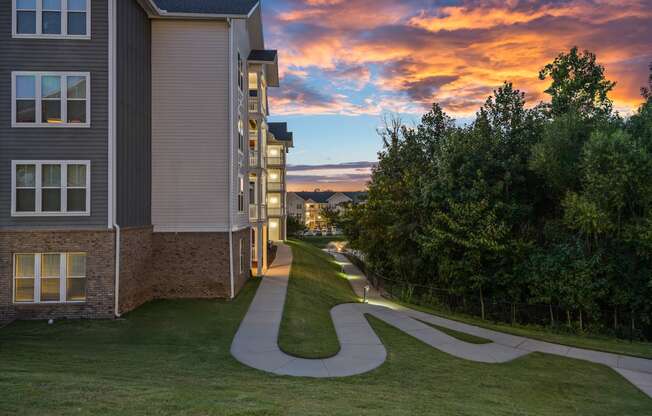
(256, 342)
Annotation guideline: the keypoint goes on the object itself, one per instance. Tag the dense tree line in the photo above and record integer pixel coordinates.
(550, 205)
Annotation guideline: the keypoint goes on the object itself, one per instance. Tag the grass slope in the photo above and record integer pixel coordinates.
(316, 285)
(172, 358)
(462, 336)
(613, 345)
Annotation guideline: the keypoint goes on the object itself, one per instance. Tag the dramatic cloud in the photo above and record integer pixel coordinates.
(368, 56)
(336, 177)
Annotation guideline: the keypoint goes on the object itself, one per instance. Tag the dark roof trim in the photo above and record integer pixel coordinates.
(185, 9)
(263, 56)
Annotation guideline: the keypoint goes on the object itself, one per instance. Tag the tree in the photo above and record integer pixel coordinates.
(578, 85)
(294, 226)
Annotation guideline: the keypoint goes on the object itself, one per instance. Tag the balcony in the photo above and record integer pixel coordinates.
(275, 186)
(275, 211)
(253, 158)
(253, 212)
(253, 105)
(276, 160)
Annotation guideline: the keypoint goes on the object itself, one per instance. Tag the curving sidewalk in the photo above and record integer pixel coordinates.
(255, 344)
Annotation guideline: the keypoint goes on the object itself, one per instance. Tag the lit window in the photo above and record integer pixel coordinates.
(44, 188)
(51, 19)
(50, 99)
(242, 255)
(241, 141)
(240, 73)
(49, 277)
(241, 205)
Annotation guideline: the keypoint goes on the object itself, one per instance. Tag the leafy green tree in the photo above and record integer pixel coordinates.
(578, 85)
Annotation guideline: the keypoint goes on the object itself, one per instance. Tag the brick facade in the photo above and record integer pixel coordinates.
(193, 265)
(152, 266)
(99, 246)
(136, 278)
(241, 278)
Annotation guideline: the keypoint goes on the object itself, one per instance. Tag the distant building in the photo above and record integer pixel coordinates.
(306, 207)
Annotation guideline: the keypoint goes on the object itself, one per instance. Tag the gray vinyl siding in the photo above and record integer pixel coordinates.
(134, 108)
(56, 143)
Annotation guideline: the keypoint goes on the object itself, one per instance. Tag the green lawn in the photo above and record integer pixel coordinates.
(316, 285)
(321, 241)
(462, 336)
(614, 345)
(172, 357)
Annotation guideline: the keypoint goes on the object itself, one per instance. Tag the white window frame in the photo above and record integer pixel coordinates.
(38, 188)
(63, 279)
(39, 99)
(39, 23)
(242, 256)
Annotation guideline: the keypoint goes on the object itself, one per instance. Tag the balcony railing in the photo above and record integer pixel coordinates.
(275, 160)
(253, 212)
(253, 158)
(275, 186)
(275, 211)
(253, 104)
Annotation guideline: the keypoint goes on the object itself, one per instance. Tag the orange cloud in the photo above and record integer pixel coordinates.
(415, 53)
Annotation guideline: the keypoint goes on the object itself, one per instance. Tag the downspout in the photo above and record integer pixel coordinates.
(112, 162)
(117, 271)
(230, 199)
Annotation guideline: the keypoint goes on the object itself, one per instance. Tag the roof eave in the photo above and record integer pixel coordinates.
(155, 12)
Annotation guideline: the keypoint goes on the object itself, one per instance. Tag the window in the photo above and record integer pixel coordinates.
(242, 255)
(241, 205)
(49, 277)
(50, 99)
(50, 188)
(52, 19)
(252, 192)
(240, 73)
(241, 142)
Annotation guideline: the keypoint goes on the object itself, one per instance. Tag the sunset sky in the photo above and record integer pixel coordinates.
(344, 63)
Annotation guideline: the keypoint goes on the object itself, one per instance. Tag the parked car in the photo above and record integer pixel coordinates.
(318, 233)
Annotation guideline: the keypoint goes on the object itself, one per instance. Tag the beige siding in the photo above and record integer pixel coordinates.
(190, 125)
(241, 44)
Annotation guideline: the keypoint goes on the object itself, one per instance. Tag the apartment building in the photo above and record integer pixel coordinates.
(123, 153)
(281, 140)
(307, 207)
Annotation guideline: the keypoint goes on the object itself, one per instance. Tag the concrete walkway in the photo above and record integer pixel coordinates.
(255, 344)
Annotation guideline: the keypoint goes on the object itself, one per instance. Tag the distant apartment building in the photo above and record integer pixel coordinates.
(307, 207)
(133, 152)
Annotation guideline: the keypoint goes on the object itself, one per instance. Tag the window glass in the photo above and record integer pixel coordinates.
(51, 17)
(76, 87)
(51, 86)
(25, 188)
(76, 265)
(76, 278)
(25, 99)
(51, 104)
(50, 277)
(25, 265)
(51, 192)
(26, 17)
(76, 99)
(76, 23)
(25, 274)
(77, 112)
(77, 5)
(77, 175)
(25, 176)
